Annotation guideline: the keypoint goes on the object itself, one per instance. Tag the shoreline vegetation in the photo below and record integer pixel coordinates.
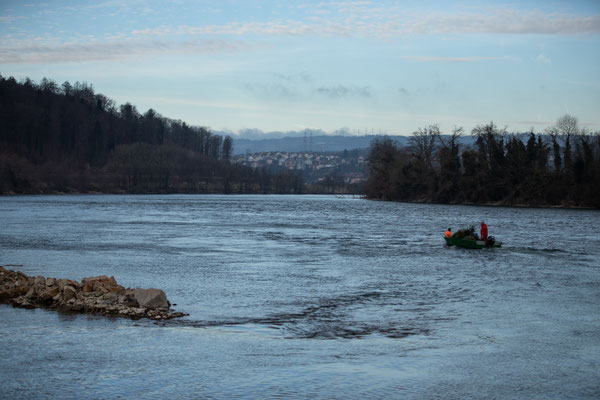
(99, 295)
(559, 168)
(68, 139)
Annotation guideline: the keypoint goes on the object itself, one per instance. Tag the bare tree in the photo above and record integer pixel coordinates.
(567, 128)
(424, 142)
(567, 125)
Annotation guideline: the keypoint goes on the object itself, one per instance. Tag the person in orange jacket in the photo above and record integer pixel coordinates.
(449, 233)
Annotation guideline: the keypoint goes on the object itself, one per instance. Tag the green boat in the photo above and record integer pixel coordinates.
(472, 243)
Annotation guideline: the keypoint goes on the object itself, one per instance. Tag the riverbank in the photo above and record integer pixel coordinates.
(95, 295)
(563, 206)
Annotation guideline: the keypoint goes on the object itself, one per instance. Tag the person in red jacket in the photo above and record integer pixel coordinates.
(484, 232)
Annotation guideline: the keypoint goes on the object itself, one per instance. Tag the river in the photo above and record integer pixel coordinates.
(305, 297)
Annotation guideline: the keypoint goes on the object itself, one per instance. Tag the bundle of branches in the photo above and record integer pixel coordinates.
(466, 233)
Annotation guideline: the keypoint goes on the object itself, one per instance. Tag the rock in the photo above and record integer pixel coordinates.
(31, 293)
(117, 289)
(151, 298)
(129, 301)
(70, 283)
(13, 292)
(93, 279)
(21, 301)
(88, 287)
(110, 281)
(110, 296)
(48, 294)
(77, 306)
(99, 295)
(69, 292)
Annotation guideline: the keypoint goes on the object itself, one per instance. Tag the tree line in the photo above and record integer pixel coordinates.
(559, 167)
(67, 138)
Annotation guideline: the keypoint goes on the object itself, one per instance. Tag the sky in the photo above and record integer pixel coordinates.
(355, 66)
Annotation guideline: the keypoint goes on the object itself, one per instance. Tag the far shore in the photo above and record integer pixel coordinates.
(361, 195)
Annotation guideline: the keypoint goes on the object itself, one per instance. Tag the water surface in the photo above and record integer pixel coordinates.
(306, 296)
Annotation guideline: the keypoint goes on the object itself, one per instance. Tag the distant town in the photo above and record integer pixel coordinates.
(348, 167)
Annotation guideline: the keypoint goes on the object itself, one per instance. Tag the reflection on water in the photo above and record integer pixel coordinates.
(306, 296)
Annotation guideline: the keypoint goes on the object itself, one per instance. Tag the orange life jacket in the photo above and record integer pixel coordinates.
(448, 234)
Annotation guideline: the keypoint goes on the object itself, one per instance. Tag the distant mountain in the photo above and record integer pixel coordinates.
(319, 144)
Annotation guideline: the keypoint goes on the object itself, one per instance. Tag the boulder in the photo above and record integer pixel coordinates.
(87, 287)
(128, 300)
(110, 281)
(118, 289)
(31, 293)
(77, 305)
(13, 292)
(100, 294)
(93, 279)
(110, 296)
(21, 301)
(151, 298)
(70, 283)
(68, 293)
(48, 294)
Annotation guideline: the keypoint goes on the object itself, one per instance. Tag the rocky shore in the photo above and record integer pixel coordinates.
(96, 295)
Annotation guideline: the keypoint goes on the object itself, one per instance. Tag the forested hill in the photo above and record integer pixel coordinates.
(558, 168)
(319, 144)
(68, 138)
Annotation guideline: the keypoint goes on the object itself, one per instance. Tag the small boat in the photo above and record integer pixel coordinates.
(472, 243)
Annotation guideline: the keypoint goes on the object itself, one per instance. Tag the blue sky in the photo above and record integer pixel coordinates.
(366, 66)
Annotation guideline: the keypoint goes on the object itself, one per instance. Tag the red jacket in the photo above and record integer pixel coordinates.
(483, 232)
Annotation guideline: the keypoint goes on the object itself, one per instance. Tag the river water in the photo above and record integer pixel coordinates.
(305, 297)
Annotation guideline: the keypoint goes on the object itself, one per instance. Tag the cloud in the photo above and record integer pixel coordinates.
(345, 4)
(450, 59)
(341, 19)
(506, 21)
(272, 90)
(365, 19)
(588, 84)
(158, 31)
(301, 77)
(281, 86)
(206, 104)
(112, 50)
(269, 28)
(341, 91)
(8, 19)
(543, 59)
